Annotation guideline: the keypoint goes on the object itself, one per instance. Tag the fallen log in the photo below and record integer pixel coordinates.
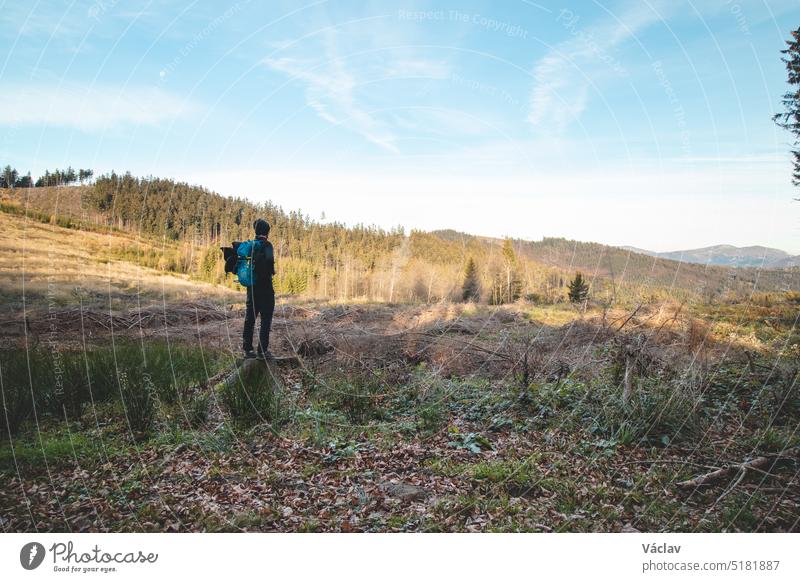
(763, 464)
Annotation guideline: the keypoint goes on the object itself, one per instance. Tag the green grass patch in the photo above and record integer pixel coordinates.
(53, 449)
(43, 383)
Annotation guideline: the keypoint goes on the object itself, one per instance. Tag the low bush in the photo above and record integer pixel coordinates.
(252, 396)
(358, 395)
(431, 415)
(140, 402)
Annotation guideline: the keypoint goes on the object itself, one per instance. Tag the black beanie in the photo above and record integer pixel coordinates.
(261, 226)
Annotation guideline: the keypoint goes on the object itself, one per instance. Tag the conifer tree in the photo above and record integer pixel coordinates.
(578, 289)
(9, 177)
(471, 287)
(790, 118)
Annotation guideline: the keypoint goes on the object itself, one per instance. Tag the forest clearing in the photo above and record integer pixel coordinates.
(445, 416)
(528, 269)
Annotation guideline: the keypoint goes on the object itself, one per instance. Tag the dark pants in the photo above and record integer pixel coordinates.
(259, 302)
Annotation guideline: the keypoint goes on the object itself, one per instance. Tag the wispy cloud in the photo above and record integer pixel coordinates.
(90, 108)
(564, 77)
(340, 84)
(330, 91)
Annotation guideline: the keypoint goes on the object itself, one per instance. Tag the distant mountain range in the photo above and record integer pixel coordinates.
(729, 256)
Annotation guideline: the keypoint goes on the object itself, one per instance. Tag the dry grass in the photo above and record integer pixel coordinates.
(43, 265)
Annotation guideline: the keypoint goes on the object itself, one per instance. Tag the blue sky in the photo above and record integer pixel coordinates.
(644, 123)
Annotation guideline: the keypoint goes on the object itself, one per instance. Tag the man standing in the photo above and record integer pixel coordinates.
(260, 295)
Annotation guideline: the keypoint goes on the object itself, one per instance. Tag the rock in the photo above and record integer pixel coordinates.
(406, 492)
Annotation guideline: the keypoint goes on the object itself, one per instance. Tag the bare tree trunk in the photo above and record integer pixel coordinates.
(346, 277)
(391, 284)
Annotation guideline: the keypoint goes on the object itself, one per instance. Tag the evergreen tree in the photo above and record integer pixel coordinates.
(85, 175)
(25, 181)
(790, 118)
(578, 289)
(470, 290)
(9, 177)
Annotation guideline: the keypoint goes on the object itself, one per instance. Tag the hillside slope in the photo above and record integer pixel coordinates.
(47, 266)
(334, 261)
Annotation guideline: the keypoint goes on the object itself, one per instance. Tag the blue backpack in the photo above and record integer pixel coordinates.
(244, 261)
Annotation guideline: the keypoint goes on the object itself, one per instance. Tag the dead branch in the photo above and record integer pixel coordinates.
(624, 323)
(759, 464)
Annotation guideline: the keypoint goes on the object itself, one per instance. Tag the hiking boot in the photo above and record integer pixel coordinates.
(250, 355)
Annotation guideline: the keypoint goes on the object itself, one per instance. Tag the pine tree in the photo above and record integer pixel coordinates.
(25, 181)
(790, 119)
(470, 290)
(9, 177)
(578, 289)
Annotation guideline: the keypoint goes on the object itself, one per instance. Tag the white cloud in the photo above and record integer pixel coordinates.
(338, 81)
(330, 91)
(563, 78)
(90, 108)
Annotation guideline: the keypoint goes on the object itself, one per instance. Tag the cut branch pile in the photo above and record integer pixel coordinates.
(146, 317)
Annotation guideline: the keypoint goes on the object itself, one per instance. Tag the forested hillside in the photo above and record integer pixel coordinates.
(182, 226)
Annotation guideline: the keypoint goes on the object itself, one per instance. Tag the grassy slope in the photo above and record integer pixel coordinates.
(61, 267)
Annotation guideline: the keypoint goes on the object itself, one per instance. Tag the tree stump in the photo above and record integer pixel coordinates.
(253, 390)
(245, 367)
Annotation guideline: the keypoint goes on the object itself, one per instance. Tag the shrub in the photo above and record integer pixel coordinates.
(252, 395)
(431, 415)
(140, 402)
(357, 395)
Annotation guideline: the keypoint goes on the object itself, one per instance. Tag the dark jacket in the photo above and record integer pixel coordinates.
(264, 266)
